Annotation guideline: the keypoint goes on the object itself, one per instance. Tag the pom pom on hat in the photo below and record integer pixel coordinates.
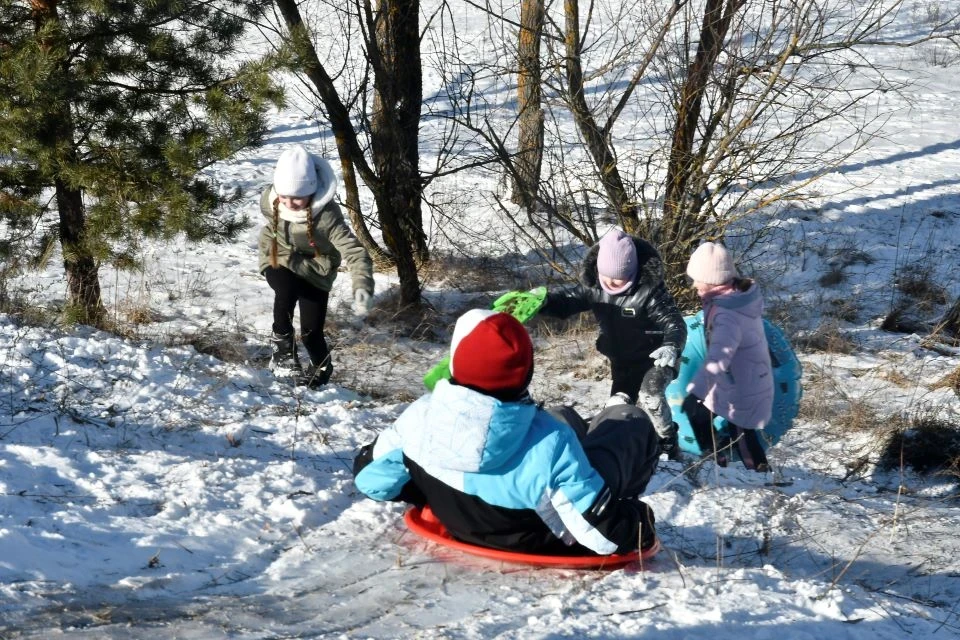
(711, 263)
(617, 259)
(491, 352)
(295, 175)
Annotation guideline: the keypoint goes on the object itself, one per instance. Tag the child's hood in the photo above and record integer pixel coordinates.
(748, 302)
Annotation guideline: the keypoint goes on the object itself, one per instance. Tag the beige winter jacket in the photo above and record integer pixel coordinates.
(335, 242)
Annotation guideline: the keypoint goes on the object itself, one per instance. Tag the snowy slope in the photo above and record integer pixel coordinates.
(151, 490)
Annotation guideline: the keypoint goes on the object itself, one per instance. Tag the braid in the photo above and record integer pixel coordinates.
(316, 253)
(273, 242)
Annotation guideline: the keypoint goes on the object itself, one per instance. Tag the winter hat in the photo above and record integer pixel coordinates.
(295, 175)
(711, 263)
(617, 259)
(491, 352)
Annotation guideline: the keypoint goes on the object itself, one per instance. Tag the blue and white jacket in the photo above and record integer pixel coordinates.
(500, 474)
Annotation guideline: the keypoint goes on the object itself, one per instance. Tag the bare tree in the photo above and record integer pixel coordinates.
(738, 95)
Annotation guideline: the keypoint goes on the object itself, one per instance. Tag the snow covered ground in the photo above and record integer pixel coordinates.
(151, 490)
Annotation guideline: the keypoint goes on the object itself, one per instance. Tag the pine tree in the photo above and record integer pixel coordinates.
(109, 109)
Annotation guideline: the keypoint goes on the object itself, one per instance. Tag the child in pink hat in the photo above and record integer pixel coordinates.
(736, 379)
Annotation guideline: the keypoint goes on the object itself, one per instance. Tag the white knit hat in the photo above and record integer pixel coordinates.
(711, 264)
(295, 175)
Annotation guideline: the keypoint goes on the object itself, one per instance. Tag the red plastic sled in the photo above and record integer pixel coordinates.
(425, 524)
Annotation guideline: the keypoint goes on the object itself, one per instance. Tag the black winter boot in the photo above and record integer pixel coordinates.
(284, 360)
(317, 375)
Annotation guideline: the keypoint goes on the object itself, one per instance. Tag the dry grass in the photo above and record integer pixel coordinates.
(225, 345)
(844, 309)
(471, 274)
(827, 338)
(896, 377)
(915, 282)
(949, 381)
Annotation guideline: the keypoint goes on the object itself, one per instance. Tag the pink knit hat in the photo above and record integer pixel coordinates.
(711, 263)
(617, 259)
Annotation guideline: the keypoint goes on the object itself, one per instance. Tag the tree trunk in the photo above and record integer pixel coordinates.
(951, 321)
(526, 179)
(394, 138)
(597, 143)
(381, 259)
(82, 271)
(83, 283)
(680, 226)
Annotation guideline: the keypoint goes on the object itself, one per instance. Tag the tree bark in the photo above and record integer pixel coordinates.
(83, 281)
(679, 230)
(951, 321)
(394, 178)
(597, 143)
(394, 138)
(529, 157)
(381, 259)
(82, 271)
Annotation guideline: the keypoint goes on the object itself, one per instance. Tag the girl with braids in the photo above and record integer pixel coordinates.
(302, 245)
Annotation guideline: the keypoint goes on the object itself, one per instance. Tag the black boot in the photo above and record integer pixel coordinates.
(284, 360)
(317, 375)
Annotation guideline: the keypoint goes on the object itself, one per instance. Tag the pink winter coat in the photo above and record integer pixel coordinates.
(736, 379)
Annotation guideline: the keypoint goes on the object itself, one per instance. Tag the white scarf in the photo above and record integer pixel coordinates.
(298, 217)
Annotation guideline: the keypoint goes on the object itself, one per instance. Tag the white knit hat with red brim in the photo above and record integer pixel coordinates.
(491, 351)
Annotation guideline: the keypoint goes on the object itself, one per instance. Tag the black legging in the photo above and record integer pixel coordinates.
(290, 289)
(747, 441)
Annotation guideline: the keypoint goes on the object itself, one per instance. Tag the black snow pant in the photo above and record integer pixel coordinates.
(747, 441)
(289, 290)
(620, 443)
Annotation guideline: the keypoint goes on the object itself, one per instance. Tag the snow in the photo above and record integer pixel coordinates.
(150, 489)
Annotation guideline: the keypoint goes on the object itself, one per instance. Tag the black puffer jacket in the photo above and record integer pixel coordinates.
(633, 323)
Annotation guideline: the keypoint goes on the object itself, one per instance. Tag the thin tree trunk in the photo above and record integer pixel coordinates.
(394, 134)
(526, 180)
(394, 177)
(951, 321)
(597, 143)
(678, 230)
(83, 282)
(381, 259)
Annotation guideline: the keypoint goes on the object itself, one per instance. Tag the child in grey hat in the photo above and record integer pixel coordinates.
(642, 332)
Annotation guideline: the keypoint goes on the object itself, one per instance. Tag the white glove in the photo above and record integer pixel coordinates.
(665, 356)
(362, 301)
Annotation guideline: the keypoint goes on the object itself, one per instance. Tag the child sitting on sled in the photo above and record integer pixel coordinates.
(642, 331)
(501, 472)
(735, 380)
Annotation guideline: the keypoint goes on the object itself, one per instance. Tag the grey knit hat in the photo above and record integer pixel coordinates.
(617, 259)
